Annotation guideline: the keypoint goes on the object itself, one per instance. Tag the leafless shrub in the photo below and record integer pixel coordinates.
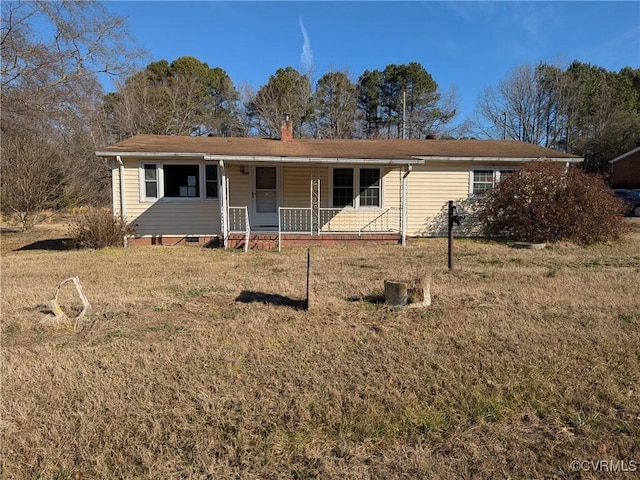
(99, 228)
(543, 202)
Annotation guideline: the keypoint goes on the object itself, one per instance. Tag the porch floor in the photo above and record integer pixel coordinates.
(266, 240)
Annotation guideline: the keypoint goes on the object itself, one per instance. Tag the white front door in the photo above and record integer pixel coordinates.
(265, 197)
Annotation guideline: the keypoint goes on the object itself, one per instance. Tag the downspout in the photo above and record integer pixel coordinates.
(403, 210)
(224, 220)
(123, 210)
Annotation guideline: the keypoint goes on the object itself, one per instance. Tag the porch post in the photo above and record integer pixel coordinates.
(403, 206)
(315, 205)
(224, 218)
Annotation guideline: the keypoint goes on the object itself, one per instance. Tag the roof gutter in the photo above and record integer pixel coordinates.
(149, 154)
(315, 160)
(500, 159)
(264, 158)
(624, 155)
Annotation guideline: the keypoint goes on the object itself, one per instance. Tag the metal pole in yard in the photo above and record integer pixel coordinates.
(308, 270)
(450, 220)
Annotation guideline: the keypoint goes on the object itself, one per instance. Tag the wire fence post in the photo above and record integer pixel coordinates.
(308, 270)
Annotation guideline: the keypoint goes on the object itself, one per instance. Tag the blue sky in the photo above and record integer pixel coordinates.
(465, 45)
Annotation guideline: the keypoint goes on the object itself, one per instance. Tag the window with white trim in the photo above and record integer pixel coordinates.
(369, 187)
(343, 187)
(178, 181)
(211, 181)
(356, 187)
(486, 178)
(150, 180)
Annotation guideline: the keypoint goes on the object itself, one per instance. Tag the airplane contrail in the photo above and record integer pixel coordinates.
(306, 58)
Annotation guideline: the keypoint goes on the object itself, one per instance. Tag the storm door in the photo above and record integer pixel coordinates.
(265, 197)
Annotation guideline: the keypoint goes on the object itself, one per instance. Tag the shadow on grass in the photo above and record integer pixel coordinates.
(214, 243)
(373, 298)
(271, 299)
(54, 244)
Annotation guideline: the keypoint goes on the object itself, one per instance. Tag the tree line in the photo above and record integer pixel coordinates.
(187, 97)
(583, 109)
(55, 113)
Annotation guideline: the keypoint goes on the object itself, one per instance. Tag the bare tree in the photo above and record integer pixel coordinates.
(52, 73)
(584, 109)
(50, 92)
(32, 180)
(516, 108)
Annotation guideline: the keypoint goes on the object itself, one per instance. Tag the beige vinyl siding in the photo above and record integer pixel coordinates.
(392, 187)
(430, 187)
(239, 189)
(167, 217)
(296, 185)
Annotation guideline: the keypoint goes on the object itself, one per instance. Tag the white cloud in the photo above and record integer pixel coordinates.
(306, 57)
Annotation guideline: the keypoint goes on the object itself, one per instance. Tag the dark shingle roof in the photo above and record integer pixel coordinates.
(343, 149)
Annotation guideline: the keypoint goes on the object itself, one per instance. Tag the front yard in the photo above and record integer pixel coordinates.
(199, 363)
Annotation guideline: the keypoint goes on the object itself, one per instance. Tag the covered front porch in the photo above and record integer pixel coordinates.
(264, 204)
(306, 226)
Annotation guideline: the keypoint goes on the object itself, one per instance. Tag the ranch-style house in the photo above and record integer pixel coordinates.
(259, 192)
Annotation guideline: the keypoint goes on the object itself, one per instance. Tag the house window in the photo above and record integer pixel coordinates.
(356, 187)
(174, 181)
(150, 180)
(181, 181)
(342, 187)
(482, 181)
(369, 187)
(211, 181)
(486, 179)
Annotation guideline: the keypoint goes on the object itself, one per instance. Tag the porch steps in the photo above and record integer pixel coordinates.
(257, 241)
(268, 241)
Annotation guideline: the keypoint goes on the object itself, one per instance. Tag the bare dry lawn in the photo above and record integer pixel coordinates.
(199, 363)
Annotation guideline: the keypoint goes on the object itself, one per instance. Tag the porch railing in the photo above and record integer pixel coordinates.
(238, 218)
(337, 220)
(294, 220)
(360, 221)
(387, 221)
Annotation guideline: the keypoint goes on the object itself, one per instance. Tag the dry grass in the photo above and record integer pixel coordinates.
(196, 363)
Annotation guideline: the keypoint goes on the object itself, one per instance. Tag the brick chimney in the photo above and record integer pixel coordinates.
(286, 131)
